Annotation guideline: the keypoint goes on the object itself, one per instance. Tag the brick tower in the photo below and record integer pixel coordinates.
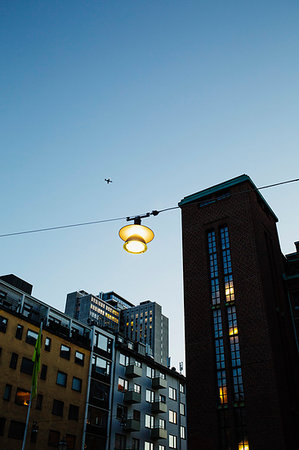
(241, 358)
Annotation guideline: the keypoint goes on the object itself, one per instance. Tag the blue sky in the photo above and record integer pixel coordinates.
(166, 98)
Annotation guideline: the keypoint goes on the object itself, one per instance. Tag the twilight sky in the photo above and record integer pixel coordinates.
(166, 98)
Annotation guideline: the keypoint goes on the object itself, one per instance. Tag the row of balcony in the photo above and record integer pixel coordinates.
(156, 433)
(131, 397)
(133, 371)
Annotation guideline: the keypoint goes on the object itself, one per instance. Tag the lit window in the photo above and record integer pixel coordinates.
(172, 441)
(149, 396)
(123, 360)
(172, 393)
(22, 397)
(123, 384)
(162, 424)
(172, 415)
(150, 373)
(182, 389)
(182, 409)
(148, 446)
(243, 445)
(149, 421)
(137, 388)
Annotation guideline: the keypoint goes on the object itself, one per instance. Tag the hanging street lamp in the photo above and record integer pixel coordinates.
(137, 236)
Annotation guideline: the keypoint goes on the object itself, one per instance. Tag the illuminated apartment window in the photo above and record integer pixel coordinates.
(229, 288)
(149, 396)
(182, 432)
(172, 416)
(123, 385)
(137, 388)
(172, 441)
(148, 421)
(232, 320)
(22, 397)
(222, 386)
(123, 360)
(172, 393)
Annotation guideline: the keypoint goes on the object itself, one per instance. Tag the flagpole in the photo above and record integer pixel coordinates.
(35, 373)
(27, 422)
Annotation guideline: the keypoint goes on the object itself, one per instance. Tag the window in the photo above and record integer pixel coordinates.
(222, 389)
(183, 432)
(19, 331)
(148, 446)
(163, 376)
(73, 412)
(79, 358)
(16, 430)
(3, 324)
(149, 421)
(135, 444)
(137, 388)
(102, 342)
(13, 361)
(57, 409)
(150, 373)
(61, 378)
(162, 424)
(123, 360)
(121, 412)
(31, 337)
(149, 396)
(101, 366)
(123, 384)
(136, 415)
(182, 409)
(71, 441)
(182, 389)
(162, 398)
(172, 416)
(77, 384)
(39, 401)
(7, 392)
(22, 397)
(53, 438)
(172, 393)
(43, 373)
(172, 441)
(2, 425)
(65, 352)
(161, 447)
(47, 344)
(120, 442)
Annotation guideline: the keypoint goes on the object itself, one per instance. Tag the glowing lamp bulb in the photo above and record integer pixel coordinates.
(136, 237)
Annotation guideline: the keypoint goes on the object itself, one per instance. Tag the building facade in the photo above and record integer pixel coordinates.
(241, 356)
(57, 413)
(97, 390)
(145, 323)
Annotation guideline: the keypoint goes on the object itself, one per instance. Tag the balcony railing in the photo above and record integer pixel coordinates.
(158, 433)
(132, 425)
(159, 407)
(159, 383)
(132, 397)
(133, 371)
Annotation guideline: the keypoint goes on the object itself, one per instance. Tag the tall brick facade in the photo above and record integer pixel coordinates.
(241, 358)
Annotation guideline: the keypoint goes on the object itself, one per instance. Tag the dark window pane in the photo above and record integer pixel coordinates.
(65, 352)
(53, 438)
(43, 373)
(19, 331)
(76, 384)
(73, 412)
(2, 425)
(13, 361)
(22, 397)
(27, 366)
(34, 431)
(70, 440)
(3, 324)
(39, 401)
(57, 408)
(31, 337)
(61, 378)
(47, 344)
(79, 358)
(7, 392)
(16, 429)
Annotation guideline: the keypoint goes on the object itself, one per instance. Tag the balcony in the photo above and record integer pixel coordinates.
(132, 397)
(159, 407)
(132, 425)
(159, 383)
(158, 433)
(133, 371)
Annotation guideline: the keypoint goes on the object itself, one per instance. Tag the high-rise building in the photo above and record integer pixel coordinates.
(145, 323)
(241, 355)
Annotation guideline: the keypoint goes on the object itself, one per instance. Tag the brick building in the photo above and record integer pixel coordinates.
(241, 355)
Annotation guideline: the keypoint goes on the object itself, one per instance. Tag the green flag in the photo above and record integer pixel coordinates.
(36, 365)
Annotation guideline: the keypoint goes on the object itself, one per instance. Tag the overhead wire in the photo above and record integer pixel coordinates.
(154, 212)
